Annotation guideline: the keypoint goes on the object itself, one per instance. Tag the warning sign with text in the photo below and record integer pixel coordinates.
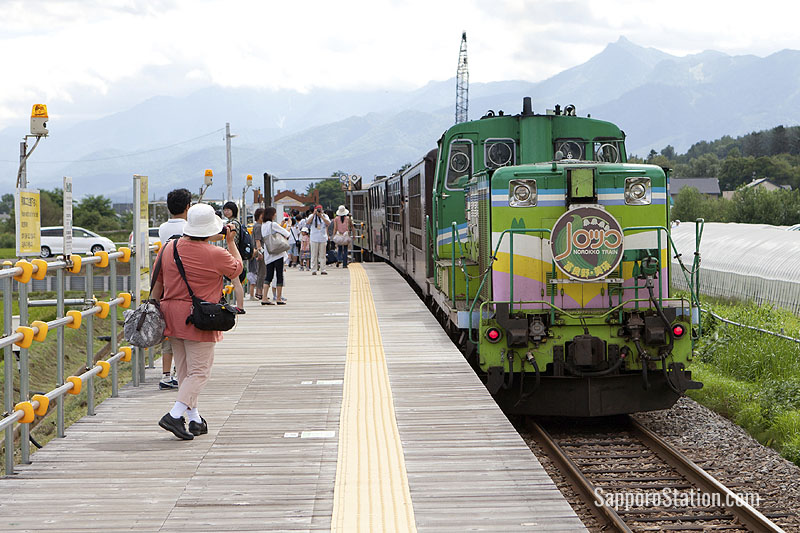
(28, 221)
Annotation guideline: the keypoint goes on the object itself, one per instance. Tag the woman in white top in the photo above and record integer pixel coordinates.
(274, 262)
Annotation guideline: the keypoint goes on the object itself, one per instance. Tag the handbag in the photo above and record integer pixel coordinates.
(276, 243)
(206, 316)
(144, 326)
(342, 239)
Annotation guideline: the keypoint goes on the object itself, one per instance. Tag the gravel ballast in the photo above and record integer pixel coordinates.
(720, 447)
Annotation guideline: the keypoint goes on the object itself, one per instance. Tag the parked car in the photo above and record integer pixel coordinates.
(152, 237)
(83, 241)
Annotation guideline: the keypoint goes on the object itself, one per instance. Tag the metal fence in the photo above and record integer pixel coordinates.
(41, 275)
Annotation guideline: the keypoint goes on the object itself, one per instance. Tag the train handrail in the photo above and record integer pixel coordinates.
(26, 333)
(603, 315)
(694, 273)
(510, 231)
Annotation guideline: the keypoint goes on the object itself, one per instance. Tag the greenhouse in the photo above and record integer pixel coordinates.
(743, 261)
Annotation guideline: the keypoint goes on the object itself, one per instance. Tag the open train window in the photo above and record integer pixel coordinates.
(459, 163)
(499, 153)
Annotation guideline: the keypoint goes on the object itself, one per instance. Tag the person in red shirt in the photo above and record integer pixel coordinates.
(193, 349)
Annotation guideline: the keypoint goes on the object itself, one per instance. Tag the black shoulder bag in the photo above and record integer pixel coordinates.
(206, 316)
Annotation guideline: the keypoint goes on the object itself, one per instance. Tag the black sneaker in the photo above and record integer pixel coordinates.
(176, 426)
(198, 429)
(240, 311)
(168, 383)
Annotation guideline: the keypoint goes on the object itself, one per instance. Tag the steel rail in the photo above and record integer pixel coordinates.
(744, 512)
(586, 489)
(739, 509)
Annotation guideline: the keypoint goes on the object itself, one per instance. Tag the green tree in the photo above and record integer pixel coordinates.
(669, 152)
(689, 205)
(95, 212)
(52, 212)
(705, 166)
(6, 204)
(331, 194)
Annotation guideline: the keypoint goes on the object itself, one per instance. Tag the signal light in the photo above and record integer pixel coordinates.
(678, 331)
(493, 334)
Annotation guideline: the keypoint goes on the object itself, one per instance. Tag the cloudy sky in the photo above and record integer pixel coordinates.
(88, 58)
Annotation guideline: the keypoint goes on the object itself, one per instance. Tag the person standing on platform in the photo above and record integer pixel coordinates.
(231, 211)
(294, 241)
(178, 202)
(305, 249)
(318, 223)
(261, 272)
(206, 266)
(342, 234)
(274, 262)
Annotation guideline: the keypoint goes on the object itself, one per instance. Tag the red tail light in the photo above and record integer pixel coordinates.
(493, 334)
(678, 331)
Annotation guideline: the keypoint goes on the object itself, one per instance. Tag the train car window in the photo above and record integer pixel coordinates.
(499, 152)
(607, 151)
(569, 148)
(459, 163)
(415, 210)
(393, 205)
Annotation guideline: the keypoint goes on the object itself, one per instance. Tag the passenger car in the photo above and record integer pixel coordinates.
(83, 241)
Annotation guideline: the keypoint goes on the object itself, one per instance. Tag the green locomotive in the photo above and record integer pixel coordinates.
(546, 256)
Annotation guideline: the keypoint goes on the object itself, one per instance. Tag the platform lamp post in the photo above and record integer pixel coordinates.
(243, 212)
(208, 180)
(28, 236)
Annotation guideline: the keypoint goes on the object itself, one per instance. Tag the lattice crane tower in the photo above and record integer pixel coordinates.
(462, 83)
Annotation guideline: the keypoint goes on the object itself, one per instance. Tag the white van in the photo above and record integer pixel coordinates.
(83, 241)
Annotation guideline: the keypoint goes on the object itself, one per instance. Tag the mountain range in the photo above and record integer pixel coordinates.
(656, 98)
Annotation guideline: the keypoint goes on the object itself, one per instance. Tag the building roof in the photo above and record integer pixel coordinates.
(766, 182)
(302, 199)
(703, 185)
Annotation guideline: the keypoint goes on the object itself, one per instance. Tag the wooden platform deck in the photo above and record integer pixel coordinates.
(272, 460)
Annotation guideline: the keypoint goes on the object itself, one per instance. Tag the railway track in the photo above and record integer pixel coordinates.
(632, 480)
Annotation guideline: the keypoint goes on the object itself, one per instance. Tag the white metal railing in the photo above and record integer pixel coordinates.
(24, 411)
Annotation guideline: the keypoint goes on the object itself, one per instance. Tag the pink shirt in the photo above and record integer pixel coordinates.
(205, 264)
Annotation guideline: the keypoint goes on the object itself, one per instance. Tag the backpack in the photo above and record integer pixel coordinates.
(245, 244)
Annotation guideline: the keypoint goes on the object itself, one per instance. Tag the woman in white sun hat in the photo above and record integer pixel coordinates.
(205, 266)
(342, 234)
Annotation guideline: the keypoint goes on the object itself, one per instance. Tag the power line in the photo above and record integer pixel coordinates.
(132, 154)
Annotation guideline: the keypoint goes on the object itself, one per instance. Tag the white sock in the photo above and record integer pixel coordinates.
(178, 409)
(194, 415)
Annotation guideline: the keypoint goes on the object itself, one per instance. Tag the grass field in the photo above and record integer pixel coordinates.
(751, 377)
(8, 253)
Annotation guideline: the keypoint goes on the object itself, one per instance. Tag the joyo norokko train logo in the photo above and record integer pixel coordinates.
(586, 243)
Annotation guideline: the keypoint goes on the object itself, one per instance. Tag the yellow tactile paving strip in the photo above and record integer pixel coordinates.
(371, 491)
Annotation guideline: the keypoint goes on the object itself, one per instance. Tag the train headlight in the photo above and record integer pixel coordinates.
(522, 193)
(493, 335)
(637, 191)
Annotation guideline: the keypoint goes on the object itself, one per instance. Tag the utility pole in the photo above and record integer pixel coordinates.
(462, 83)
(228, 138)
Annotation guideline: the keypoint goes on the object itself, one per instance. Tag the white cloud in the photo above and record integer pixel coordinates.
(91, 57)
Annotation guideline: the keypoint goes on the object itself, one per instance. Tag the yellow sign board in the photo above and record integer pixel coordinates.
(28, 221)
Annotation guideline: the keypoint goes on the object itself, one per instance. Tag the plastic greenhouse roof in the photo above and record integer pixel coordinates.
(767, 252)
